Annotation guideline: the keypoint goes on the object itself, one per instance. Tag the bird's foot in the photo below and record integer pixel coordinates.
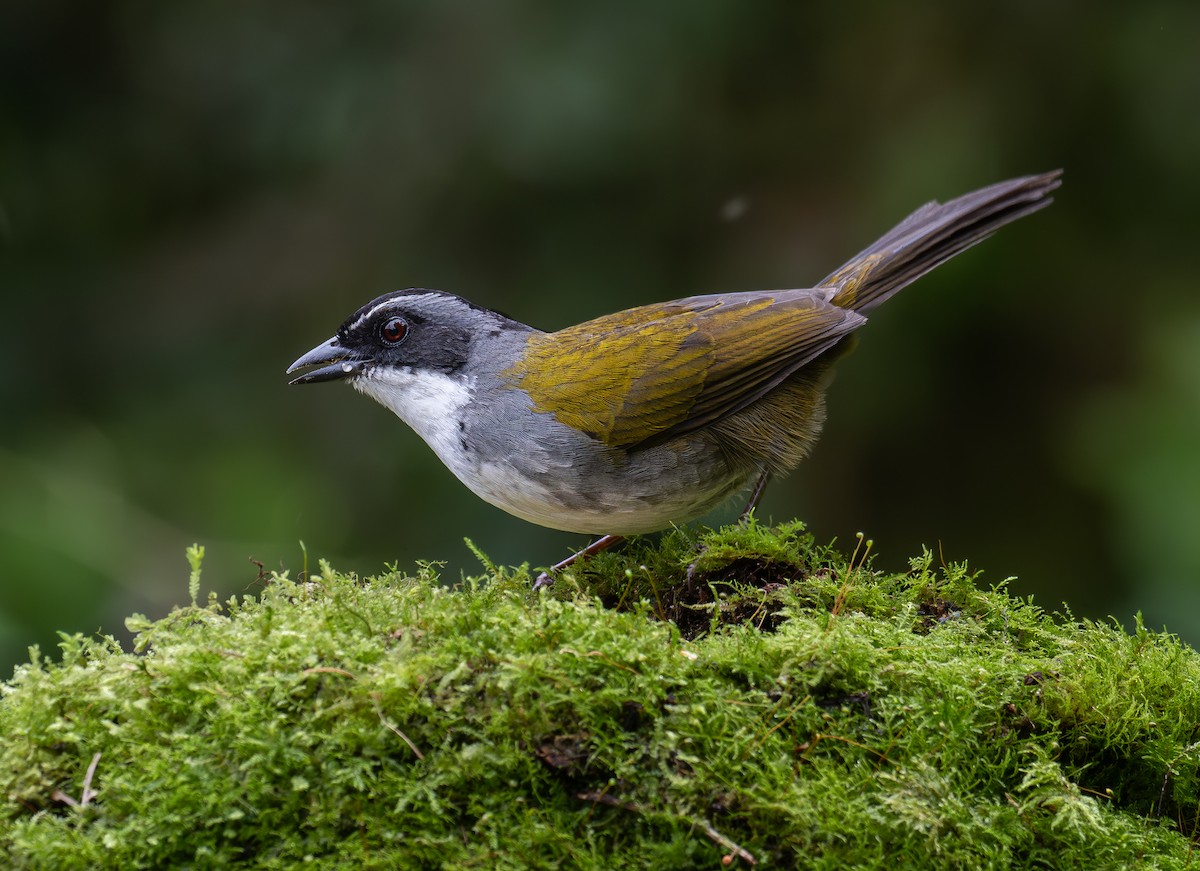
(546, 578)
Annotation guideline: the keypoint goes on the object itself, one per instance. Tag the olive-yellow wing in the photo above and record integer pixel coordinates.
(657, 371)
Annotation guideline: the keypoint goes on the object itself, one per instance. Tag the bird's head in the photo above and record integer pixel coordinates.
(411, 331)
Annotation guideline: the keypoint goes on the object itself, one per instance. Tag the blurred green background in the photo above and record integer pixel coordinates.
(193, 194)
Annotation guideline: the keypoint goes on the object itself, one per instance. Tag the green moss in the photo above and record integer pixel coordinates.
(810, 712)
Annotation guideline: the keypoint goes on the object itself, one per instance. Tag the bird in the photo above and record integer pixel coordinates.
(652, 416)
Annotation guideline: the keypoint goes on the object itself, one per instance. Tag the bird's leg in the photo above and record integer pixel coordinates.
(759, 486)
(545, 579)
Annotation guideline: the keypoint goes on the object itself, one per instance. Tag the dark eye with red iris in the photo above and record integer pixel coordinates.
(394, 330)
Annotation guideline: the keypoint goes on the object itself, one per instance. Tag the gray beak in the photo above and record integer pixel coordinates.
(335, 362)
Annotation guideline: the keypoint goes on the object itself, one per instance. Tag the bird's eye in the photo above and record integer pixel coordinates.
(393, 330)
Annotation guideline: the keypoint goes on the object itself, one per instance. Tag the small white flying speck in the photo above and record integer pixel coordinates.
(735, 208)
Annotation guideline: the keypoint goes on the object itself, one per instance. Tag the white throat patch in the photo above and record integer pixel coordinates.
(429, 402)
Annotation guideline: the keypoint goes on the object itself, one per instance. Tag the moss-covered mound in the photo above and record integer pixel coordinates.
(809, 713)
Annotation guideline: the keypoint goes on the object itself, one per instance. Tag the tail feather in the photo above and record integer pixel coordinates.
(932, 235)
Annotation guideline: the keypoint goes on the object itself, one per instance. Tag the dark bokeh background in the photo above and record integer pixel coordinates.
(191, 196)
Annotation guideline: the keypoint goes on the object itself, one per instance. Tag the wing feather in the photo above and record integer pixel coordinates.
(654, 372)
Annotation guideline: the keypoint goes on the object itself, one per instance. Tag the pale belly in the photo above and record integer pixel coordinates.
(608, 505)
(530, 466)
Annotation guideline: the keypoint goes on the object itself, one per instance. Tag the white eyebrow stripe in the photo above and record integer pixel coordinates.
(367, 315)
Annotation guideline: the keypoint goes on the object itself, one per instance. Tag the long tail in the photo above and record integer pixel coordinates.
(932, 235)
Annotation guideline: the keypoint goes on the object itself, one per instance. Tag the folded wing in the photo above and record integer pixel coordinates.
(650, 373)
